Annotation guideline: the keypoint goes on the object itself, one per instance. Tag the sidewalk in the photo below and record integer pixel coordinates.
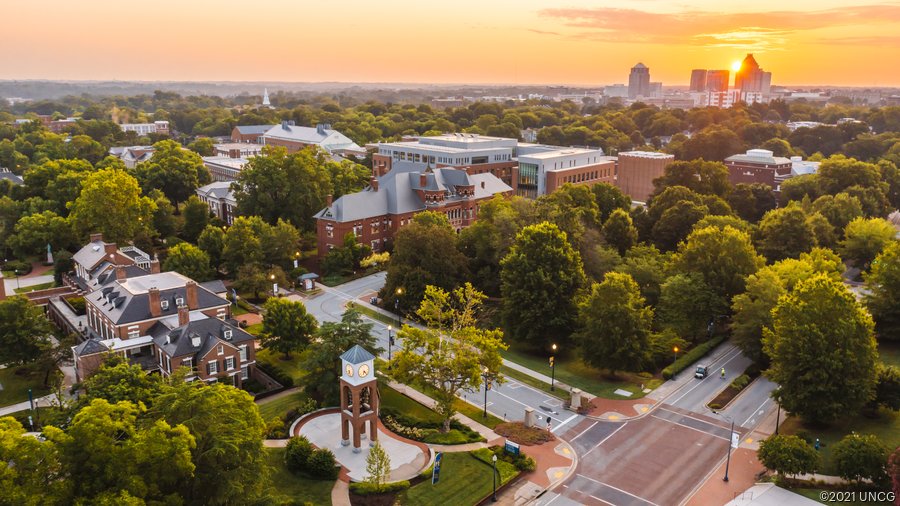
(41, 402)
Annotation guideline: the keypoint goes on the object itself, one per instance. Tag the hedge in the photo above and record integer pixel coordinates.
(366, 488)
(695, 354)
(276, 374)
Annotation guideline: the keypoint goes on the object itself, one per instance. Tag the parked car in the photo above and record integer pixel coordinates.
(701, 372)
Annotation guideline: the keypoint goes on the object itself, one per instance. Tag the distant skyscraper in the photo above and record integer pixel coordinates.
(751, 78)
(639, 81)
(698, 80)
(717, 80)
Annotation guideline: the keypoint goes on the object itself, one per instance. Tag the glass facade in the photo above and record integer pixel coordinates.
(528, 180)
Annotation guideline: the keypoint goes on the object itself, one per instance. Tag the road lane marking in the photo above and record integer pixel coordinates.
(737, 353)
(691, 417)
(616, 488)
(567, 420)
(582, 432)
(604, 439)
(601, 500)
(692, 428)
(759, 409)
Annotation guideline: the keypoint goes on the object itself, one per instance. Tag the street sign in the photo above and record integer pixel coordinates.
(735, 439)
(436, 471)
(511, 447)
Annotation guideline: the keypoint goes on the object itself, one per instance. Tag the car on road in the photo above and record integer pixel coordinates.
(701, 372)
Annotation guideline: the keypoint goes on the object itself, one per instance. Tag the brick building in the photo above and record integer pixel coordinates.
(249, 133)
(375, 214)
(295, 138)
(542, 171)
(220, 199)
(758, 166)
(638, 169)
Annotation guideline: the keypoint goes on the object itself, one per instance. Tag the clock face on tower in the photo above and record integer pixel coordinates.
(349, 370)
(363, 371)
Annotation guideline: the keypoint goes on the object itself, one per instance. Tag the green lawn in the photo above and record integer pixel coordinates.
(375, 315)
(393, 399)
(573, 371)
(254, 329)
(890, 353)
(289, 488)
(289, 367)
(886, 427)
(464, 480)
(276, 407)
(42, 286)
(15, 386)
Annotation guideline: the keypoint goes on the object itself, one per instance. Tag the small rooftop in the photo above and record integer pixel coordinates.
(357, 355)
(646, 154)
(162, 281)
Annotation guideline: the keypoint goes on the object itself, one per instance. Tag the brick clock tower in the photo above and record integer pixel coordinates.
(359, 397)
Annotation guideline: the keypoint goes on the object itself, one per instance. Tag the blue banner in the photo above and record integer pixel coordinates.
(436, 471)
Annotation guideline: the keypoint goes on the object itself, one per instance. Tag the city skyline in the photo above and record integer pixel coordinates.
(530, 42)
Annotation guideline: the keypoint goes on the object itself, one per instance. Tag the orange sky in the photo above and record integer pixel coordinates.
(460, 41)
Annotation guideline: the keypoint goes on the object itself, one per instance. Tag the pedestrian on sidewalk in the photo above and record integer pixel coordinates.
(723, 373)
(548, 423)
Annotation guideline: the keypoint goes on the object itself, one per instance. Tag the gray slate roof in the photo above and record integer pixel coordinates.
(214, 286)
(253, 129)
(397, 192)
(9, 176)
(770, 160)
(211, 332)
(90, 254)
(357, 355)
(90, 347)
(218, 189)
(122, 306)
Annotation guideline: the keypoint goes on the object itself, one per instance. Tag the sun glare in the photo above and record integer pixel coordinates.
(736, 66)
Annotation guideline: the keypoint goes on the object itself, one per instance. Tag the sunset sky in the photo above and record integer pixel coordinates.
(461, 41)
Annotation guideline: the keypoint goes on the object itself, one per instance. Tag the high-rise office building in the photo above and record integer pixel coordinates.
(751, 78)
(698, 80)
(639, 81)
(717, 80)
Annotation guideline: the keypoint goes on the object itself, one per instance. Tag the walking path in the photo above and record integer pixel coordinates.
(40, 402)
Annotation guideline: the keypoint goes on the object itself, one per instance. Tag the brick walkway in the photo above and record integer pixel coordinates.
(249, 318)
(616, 409)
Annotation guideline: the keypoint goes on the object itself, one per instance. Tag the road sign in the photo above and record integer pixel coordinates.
(436, 471)
(735, 439)
(511, 447)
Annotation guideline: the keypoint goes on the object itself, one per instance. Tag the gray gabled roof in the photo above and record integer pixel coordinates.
(253, 129)
(179, 342)
(357, 355)
(217, 189)
(90, 347)
(91, 254)
(9, 176)
(214, 286)
(128, 301)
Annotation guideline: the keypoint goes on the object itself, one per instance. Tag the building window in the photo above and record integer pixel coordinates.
(220, 350)
(228, 334)
(168, 364)
(212, 367)
(243, 353)
(164, 304)
(188, 362)
(245, 373)
(220, 314)
(179, 301)
(229, 364)
(134, 334)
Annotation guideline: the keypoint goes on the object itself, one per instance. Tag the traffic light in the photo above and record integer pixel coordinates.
(488, 385)
(392, 340)
(551, 361)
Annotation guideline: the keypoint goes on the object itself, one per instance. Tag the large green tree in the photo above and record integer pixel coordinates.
(609, 198)
(540, 278)
(619, 232)
(34, 232)
(788, 455)
(823, 351)
(116, 380)
(698, 175)
(883, 298)
(176, 171)
(287, 327)
(424, 254)
(752, 201)
(687, 305)
(212, 241)
(24, 331)
(784, 233)
(865, 238)
(615, 325)
(723, 257)
(322, 363)
(452, 354)
(111, 203)
(857, 457)
(291, 186)
(30, 471)
(188, 260)
(196, 218)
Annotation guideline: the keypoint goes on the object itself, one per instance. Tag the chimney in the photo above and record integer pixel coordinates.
(423, 180)
(96, 237)
(120, 273)
(285, 125)
(329, 200)
(155, 309)
(320, 128)
(154, 265)
(184, 315)
(191, 288)
(110, 247)
(374, 183)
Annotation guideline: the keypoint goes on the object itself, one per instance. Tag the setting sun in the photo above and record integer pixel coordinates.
(735, 66)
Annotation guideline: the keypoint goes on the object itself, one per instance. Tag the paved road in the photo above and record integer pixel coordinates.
(11, 283)
(697, 393)
(507, 401)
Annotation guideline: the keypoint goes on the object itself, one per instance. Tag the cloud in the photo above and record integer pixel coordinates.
(542, 32)
(874, 40)
(751, 30)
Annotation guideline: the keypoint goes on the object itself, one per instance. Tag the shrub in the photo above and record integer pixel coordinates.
(740, 382)
(522, 462)
(322, 465)
(297, 454)
(276, 374)
(519, 433)
(695, 354)
(17, 265)
(77, 304)
(454, 437)
(714, 405)
(366, 488)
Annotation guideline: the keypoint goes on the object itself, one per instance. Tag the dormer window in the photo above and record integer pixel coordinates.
(227, 334)
(179, 301)
(164, 304)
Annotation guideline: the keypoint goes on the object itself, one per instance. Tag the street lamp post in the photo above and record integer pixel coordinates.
(17, 279)
(274, 285)
(390, 344)
(397, 307)
(553, 368)
(728, 448)
(486, 386)
(494, 459)
(296, 259)
(675, 349)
